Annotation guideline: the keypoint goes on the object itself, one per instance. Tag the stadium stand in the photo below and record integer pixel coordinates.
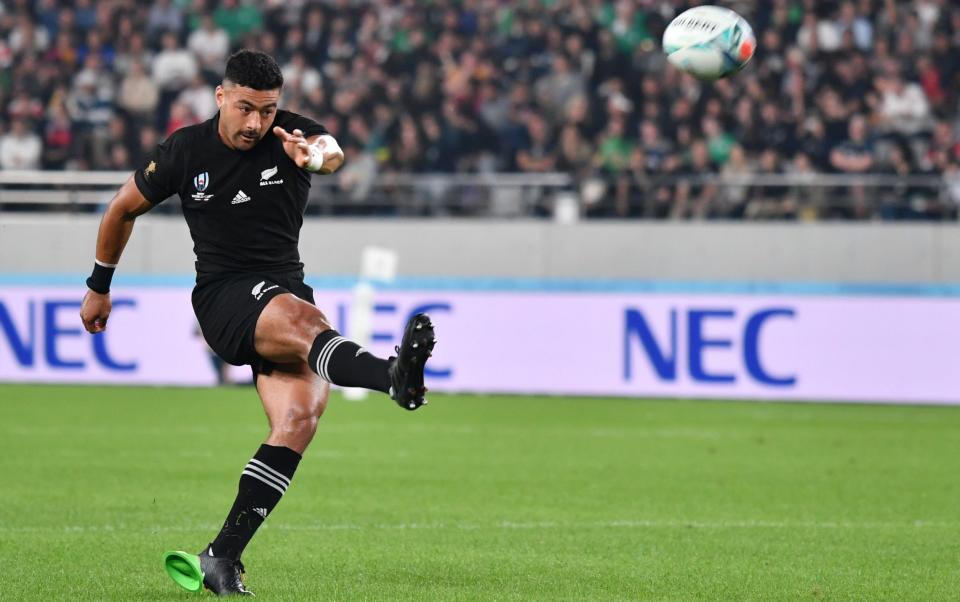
(578, 87)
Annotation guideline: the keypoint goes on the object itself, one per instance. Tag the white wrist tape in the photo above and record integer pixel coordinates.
(316, 159)
(329, 145)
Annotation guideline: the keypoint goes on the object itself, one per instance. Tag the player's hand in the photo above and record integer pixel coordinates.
(95, 310)
(295, 145)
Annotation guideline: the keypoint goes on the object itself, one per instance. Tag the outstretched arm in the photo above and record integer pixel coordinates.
(115, 228)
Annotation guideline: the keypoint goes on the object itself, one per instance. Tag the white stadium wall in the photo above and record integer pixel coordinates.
(788, 312)
(820, 252)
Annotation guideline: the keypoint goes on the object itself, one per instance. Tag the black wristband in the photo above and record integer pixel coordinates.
(99, 280)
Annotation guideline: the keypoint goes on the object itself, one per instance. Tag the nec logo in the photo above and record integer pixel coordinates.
(52, 322)
(664, 355)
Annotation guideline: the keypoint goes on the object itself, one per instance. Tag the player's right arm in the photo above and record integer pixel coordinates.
(159, 179)
(115, 229)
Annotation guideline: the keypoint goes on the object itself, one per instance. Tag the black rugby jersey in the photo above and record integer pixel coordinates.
(244, 208)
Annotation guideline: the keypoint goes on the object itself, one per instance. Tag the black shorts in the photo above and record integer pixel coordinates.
(228, 306)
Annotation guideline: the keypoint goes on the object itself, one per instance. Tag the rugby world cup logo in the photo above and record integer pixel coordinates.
(201, 181)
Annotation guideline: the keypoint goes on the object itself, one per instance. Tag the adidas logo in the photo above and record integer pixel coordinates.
(261, 511)
(240, 197)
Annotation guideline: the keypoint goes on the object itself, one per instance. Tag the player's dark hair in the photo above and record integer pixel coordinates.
(253, 69)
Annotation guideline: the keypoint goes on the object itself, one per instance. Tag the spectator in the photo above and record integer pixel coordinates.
(613, 153)
(103, 141)
(951, 178)
(133, 49)
(576, 152)
(64, 52)
(138, 92)
(180, 116)
(732, 194)
(406, 152)
(626, 22)
(555, 90)
(85, 16)
(57, 138)
(944, 147)
(89, 107)
(696, 193)
(460, 80)
(24, 106)
(300, 75)
(854, 155)
(438, 154)
(314, 35)
(95, 46)
(164, 16)
(28, 38)
(719, 143)
(119, 158)
(807, 196)
(20, 148)
(538, 153)
(858, 25)
(210, 44)
(770, 201)
(199, 99)
(173, 66)
(903, 108)
(147, 141)
(238, 19)
(656, 148)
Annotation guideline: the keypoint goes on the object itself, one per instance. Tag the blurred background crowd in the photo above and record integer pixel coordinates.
(573, 86)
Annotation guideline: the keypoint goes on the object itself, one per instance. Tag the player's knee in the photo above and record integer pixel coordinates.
(309, 320)
(299, 423)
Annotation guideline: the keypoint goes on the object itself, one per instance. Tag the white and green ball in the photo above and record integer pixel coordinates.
(709, 42)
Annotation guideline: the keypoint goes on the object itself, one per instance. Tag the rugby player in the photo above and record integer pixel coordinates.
(243, 178)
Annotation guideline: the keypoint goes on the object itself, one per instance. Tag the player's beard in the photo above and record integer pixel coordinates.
(254, 137)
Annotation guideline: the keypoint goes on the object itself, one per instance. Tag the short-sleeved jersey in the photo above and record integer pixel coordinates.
(244, 208)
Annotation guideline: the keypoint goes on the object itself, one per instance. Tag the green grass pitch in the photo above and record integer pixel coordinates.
(486, 498)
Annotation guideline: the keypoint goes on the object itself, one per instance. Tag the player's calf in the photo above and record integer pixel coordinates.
(340, 361)
(290, 330)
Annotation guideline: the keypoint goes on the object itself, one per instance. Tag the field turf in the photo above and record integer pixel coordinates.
(486, 498)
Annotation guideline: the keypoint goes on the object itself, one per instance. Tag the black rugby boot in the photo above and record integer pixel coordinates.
(223, 576)
(406, 371)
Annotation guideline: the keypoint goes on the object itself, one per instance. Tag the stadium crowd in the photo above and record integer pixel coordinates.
(574, 86)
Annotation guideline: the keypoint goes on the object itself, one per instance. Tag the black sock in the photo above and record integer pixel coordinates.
(343, 362)
(262, 483)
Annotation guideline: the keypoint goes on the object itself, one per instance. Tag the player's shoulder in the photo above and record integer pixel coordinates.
(189, 135)
(289, 121)
(285, 116)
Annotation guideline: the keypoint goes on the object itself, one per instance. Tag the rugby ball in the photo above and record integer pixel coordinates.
(709, 42)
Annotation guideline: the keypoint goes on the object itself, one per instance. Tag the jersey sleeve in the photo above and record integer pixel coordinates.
(162, 174)
(292, 121)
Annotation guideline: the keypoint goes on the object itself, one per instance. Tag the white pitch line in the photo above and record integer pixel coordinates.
(505, 525)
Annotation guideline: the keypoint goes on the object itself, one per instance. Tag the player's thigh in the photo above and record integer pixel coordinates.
(286, 329)
(293, 398)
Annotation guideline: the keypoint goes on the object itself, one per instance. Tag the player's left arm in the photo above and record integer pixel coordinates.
(318, 154)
